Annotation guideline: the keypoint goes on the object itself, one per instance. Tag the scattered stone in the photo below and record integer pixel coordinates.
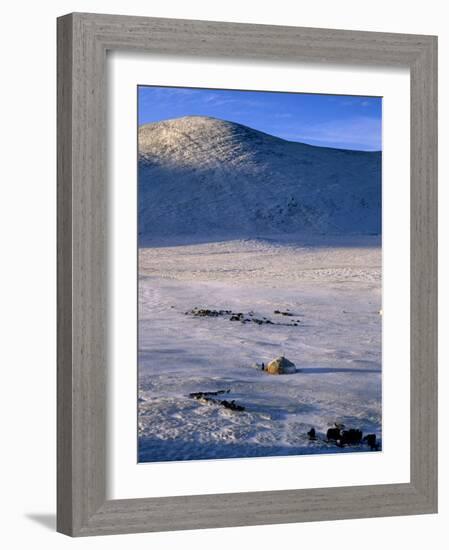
(239, 316)
(203, 312)
(231, 405)
(200, 394)
(370, 440)
(205, 397)
(312, 434)
(280, 365)
(263, 321)
(350, 437)
(285, 313)
(333, 434)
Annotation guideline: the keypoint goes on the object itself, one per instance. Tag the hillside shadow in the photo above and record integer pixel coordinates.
(157, 450)
(330, 370)
(303, 241)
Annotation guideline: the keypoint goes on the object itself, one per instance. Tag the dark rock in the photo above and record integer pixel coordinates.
(200, 394)
(312, 434)
(351, 437)
(333, 434)
(242, 317)
(202, 312)
(205, 397)
(231, 405)
(370, 440)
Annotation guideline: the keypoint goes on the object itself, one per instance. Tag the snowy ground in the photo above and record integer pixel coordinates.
(333, 288)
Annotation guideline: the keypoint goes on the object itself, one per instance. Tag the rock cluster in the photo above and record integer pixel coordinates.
(242, 317)
(342, 437)
(206, 397)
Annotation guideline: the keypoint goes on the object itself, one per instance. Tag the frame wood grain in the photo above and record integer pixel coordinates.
(83, 40)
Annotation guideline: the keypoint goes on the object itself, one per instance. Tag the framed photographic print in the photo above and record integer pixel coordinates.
(246, 274)
(259, 255)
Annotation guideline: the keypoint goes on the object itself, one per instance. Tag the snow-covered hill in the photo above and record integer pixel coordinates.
(201, 176)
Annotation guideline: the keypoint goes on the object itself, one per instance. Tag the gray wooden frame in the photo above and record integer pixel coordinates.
(83, 40)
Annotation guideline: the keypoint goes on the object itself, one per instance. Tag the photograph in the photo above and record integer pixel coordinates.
(259, 239)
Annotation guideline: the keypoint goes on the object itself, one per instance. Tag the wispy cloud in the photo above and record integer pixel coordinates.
(360, 132)
(219, 100)
(357, 101)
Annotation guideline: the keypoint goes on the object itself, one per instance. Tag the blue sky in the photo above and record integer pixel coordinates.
(347, 122)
